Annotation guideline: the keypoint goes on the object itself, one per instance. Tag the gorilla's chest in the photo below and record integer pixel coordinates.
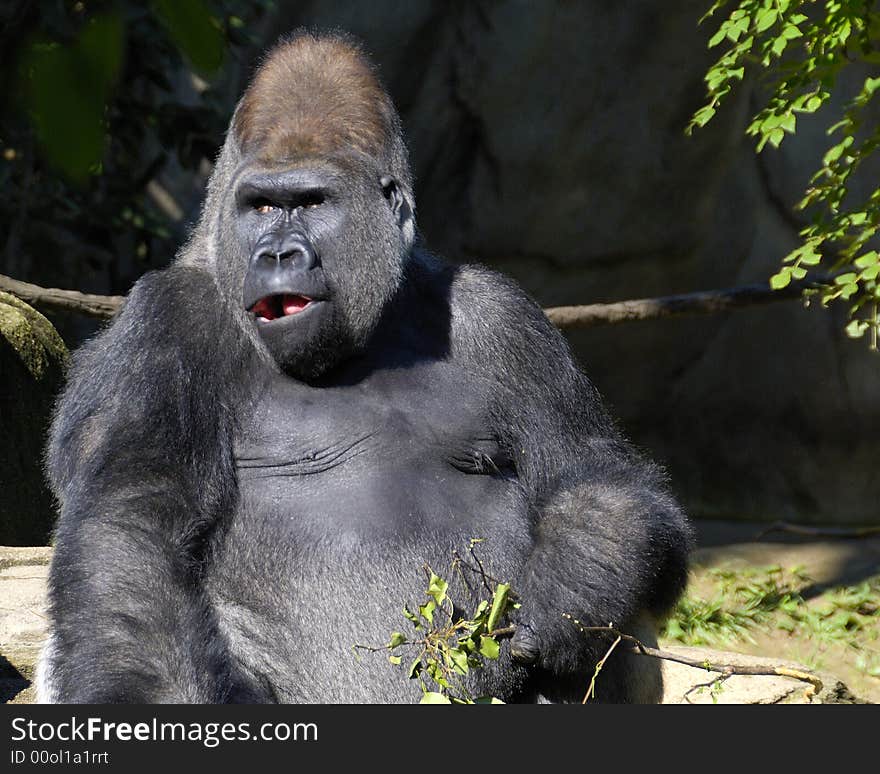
(398, 448)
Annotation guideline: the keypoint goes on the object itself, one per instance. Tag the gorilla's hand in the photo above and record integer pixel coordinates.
(552, 642)
(602, 544)
(524, 647)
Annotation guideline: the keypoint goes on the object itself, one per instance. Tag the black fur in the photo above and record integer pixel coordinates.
(232, 522)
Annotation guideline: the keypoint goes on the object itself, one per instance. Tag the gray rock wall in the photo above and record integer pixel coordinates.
(547, 140)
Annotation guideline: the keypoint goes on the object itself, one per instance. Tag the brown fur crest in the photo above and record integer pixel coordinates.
(315, 96)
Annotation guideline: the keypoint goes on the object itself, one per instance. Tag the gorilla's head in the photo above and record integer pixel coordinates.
(313, 203)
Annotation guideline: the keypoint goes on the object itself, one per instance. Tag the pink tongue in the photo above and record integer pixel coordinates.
(264, 309)
(293, 304)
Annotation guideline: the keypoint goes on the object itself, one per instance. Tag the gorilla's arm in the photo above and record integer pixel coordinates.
(141, 462)
(610, 541)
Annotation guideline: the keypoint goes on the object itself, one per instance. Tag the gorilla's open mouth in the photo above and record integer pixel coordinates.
(279, 305)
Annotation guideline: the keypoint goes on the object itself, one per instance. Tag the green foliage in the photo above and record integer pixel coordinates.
(802, 47)
(101, 104)
(196, 32)
(743, 601)
(67, 87)
(443, 645)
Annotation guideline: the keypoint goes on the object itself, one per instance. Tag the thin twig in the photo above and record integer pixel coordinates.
(725, 670)
(504, 631)
(478, 570)
(591, 691)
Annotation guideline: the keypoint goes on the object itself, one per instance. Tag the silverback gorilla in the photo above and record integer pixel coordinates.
(257, 457)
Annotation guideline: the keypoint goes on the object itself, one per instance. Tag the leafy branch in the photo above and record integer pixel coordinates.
(803, 46)
(448, 646)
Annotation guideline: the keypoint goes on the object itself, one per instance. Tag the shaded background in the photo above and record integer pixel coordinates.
(547, 141)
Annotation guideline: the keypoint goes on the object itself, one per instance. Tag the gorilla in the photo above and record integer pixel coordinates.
(256, 459)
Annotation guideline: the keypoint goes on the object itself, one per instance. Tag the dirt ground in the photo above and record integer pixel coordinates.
(830, 563)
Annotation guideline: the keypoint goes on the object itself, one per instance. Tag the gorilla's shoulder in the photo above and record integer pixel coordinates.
(176, 287)
(481, 298)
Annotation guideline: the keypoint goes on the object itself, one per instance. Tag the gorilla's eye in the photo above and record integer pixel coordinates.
(265, 207)
(311, 199)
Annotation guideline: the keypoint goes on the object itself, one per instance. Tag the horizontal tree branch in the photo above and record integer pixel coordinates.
(701, 302)
(565, 317)
(55, 300)
(803, 530)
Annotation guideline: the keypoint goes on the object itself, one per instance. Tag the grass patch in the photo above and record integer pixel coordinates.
(736, 603)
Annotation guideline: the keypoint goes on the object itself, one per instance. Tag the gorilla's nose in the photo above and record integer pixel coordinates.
(283, 252)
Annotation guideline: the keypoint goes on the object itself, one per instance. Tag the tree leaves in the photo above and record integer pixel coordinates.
(801, 59)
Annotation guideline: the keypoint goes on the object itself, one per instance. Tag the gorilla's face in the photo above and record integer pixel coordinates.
(324, 251)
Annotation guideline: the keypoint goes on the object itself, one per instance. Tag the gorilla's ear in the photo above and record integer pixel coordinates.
(400, 206)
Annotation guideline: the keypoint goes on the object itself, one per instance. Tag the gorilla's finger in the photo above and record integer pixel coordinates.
(524, 645)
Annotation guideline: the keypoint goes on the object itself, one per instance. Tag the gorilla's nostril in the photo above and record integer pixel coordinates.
(294, 256)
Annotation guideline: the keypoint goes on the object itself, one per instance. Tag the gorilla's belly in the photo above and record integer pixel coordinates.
(327, 570)
(335, 525)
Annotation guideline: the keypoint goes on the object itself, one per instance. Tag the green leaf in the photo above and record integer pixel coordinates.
(781, 279)
(397, 639)
(499, 604)
(866, 260)
(718, 36)
(489, 647)
(432, 697)
(487, 700)
(427, 610)
(468, 645)
(66, 88)
(806, 254)
(813, 104)
(437, 588)
(765, 19)
(779, 46)
(415, 669)
(481, 609)
(775, 136)
(836, 151)
(394, 659)
(845, 279)
(798, 273)
(411, 616)
(459, 660)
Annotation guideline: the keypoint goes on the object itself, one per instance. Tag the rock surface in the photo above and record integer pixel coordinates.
(23, 573)
(684, 684)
